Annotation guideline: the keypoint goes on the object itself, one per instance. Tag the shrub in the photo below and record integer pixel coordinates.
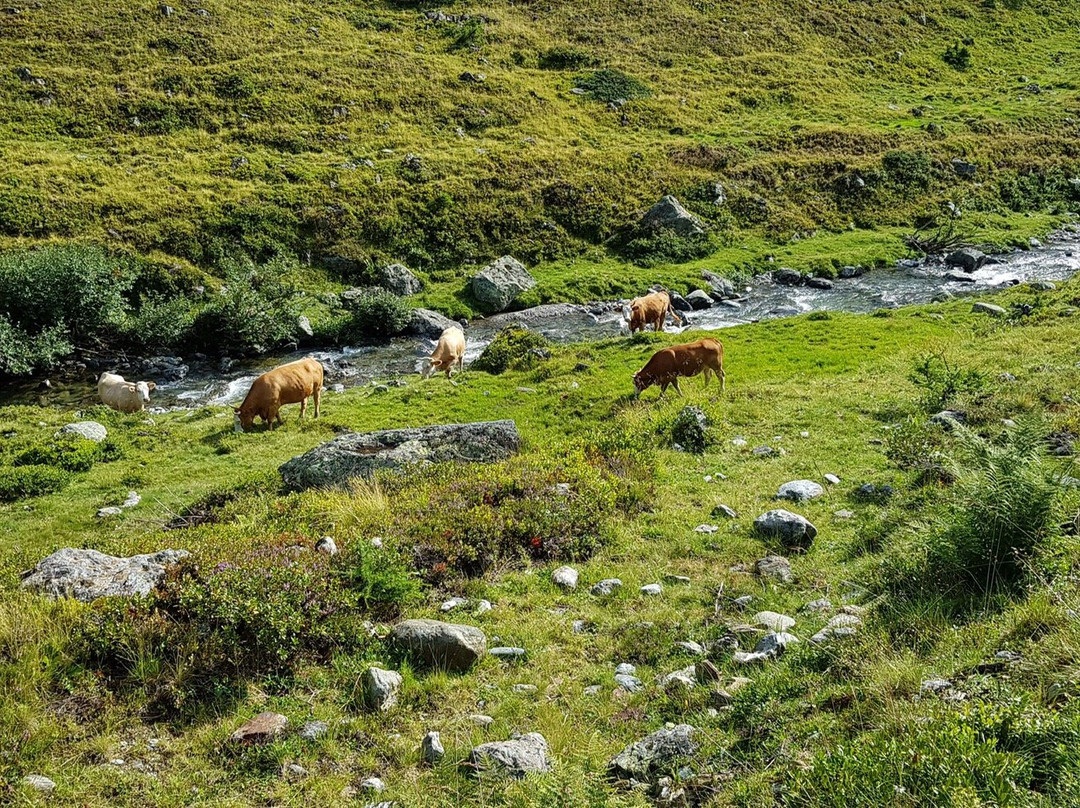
(957, 56)
(565, 58)
(235, 86)
(941, 383)
(666, 246)
(908, 169)
(610, 85)
(376, 313)
(70, 453)
(21, 354)
(255, 310)
(160, 324)
(690, 429)
(30, 481)
(916, 444)
(514, 348)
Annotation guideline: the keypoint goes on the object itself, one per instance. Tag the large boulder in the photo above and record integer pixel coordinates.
(428, 323)
(788, 277)
(360, 454)
(669, 214)
(87, 575)
(501, 282)
(790, 528)
(720, 285)
(516, 757)
(658, 753)
(90, 430)
(699, 299)
(435, 644)
(966, 258)
(400, 280)
(552, 311)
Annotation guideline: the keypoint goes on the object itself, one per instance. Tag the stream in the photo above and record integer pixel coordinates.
(225, 382)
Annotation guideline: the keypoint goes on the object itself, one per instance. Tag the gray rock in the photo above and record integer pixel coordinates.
(851, 272)
(684, 679)
(1042, 286)
(657, 753)
(720, 285)
(40, 783)
(652, 589)
(966, 258)
(537, 314)
(677, 579)
(625, 668)
(790, 528)
(774, 643)
(788, 277)
(691, 647)
(565, 578)
(91, 430)
(507, 653)
(679, 303)
(327, 546)
(373, 784)
(629, 682)
(669, 214)
(105, 513)
(501, 282)
(963, 168)
(381, 688)
(948, 418)
(988, 308)
(87, 575)
(482, 607)
(953, 275)
(706, 529)
(303, 325)
(774, 620)
(451, 604)
(832, 479)
(774, 567)
(515, 758)
(481, 720)
(441, 645)
(606, 586)
(313, 730)
(743, 601)
(724, 510)
(526, 689)
(360, 454)
(428, 323)
(400, 280)
(819, 283)
(699, 300)
(132, 500)
(261, 729)
(820, 605)
(431, 748)
(592, 690)
(935, 685)
(800, 490)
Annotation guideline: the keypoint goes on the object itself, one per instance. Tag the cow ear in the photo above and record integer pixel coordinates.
(151, 386)
(236, 410)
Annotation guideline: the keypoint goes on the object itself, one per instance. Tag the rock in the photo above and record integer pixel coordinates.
(436, 644)
(684, 679)
(819, 283)
(481, 720)
(373, 784)
(657, 753)
(966, 258)
(774, 567)
(381, 688)
(935, 685)
(104, 513)
(40, 783)
(948, 418)
(706, 528)
(669, 214)
(132, 500)
(303, 325)
(790, 528)
(869, 492)
(788, 277)
(527, 689)
(565, 578)
(472, 78)
(91, 430)
(832, 479)
(988, 308)
(629, 682)
(963, 168)
(699, 300)
(677, 579)
(87, 575)
(428, 323)
(842, 625)
(706, 671)
(625, 668)
(652, 589)
(450, 605)
(327, 546)
(553, 312)
(720, 285)
(743, 601)
(774, 621)
(295, 772)
(691, 647)
(399, 279)
(515, 758)
(313, 730)
(261, 729)
(592, 690)
(501, 282)
(680, 303)
(800, 490)
(482, 607)
(851, 272)
(606, 586)
(507, 653)
(725, 511)
(1042, 286)
(954, 275)
(431, 748)
(360, 454)
(844, 514)
(166, 11)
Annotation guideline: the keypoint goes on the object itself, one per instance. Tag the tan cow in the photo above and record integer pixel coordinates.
(668, 364)
(449, 352)
(652, 309)
(123, 395)
(288, 384)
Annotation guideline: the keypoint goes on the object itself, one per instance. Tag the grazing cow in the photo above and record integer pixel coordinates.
(288, 384)
(652, 309)
(449, 352)
(667, 365)
(123, 395)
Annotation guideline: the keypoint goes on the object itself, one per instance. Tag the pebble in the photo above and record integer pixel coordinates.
(844, 514)
(132, 500)
(314, 730)
(481, 720)
(652, 589)
(691, 647)
(507, 653)
(606, 586)
(295, 771)
(832, 479)
(935, 685)
(706, 529)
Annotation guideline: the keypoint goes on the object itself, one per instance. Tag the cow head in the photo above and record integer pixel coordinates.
(431, 367)
(243, 420)
(641, 383)
(144, 389)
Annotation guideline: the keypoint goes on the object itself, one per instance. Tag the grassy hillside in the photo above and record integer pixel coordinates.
(363, 130)
(133, 704)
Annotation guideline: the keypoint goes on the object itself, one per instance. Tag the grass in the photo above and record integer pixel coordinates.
(819, 724)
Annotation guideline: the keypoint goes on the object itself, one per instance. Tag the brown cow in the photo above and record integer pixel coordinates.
(652, 309)
(668, 364)
(288, 384)
(448, 354)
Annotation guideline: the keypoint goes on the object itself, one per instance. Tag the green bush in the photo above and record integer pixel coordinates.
(70, 453)
(376, 313)
(30, 481)
(664, 245)
(566, 58)
(957, 56)
(21, 354)
(160, 324)
(610, 85)
(917, 445)
(941, 384)
(908, 169)
(254, 311)
(514, 348)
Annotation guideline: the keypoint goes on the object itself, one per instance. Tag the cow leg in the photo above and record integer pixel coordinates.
(707, 373)
(723, 380)
(677, 390)
(317, 397)
(303, 408)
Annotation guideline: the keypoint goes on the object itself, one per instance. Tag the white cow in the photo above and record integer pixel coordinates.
(449, 352)
(123, 395)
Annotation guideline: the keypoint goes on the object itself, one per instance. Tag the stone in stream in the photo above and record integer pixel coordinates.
(960, 277)
(87, 575)
(261, 729)
(517, 757)
(565, 578)
(361, 454)
(774, 567)
(790, 528)
(90, 430)
(440, 645)
(966, 258)
(501, 282)
(819, 283)
(800, 490)
(606, 586)
(669, 214)
(381, 688)
(988, 308)
(428, 323)
(658, 753)
(788, 277)
(699, 300)
(431, 748)
(721, 286)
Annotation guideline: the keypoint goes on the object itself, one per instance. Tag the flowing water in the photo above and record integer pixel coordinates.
(909, 283)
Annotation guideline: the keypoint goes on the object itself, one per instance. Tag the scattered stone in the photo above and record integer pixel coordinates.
(792, 530)
(706, 671)
(428, 323)
(652, 589)
(820, 605)
(104, 513)
(629, 682)
(669, 214)
(659, 752)
(966, 258)
(948, 418)
(40, 783)
(498, 284)
(507, 653)
(690, 647)
(775, 567)
(788, 277)
(381, 688)
(774, 620)
(935, 685)
(373, 784)
(762, 451)
(132, 500)
(1042, 286)
(699, 300)
(819, 283)
(743, 601)
(800, 490)
(327, 546)
(481, 720)
(87, 575)
(844, 514)
(706, 528)
(294, 771)
(483, 607)
(524, 688)
(90, 430)
(684, 679)
(988, 308)
(453, 603)
(592, 690)
(625, 668)
(738, 442)
(431, 748)
(725, 511)
(832, 479)
(963, 168)
(565, 578)
(953, 275)
(606, 586)
(313, 730)
(436, 644)
(261, 729)
(515, 758)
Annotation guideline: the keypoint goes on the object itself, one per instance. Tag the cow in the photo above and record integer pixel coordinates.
(449, 352)
(668, 364)
(287, 384)
(123, 395)
(652, 309)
